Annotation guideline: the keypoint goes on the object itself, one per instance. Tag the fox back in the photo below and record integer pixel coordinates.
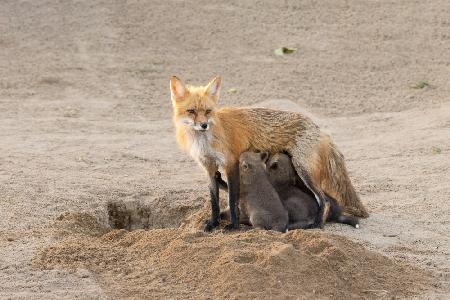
(220, 135)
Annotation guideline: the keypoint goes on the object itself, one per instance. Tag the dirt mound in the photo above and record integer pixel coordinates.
(77, 223)
(177, 263)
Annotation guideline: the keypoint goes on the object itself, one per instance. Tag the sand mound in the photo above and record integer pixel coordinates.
(183, 263)
(77, 223)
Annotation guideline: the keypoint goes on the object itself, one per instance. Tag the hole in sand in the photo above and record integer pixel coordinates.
(139, 214)
(130, 215)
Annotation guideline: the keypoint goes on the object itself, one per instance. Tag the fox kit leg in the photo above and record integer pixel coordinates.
(300, 225)
(232, 172)
(214, 193)
(337, 216)
(243, 218)
(324, 205)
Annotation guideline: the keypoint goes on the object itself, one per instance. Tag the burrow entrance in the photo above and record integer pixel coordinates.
(130, 215)
(138, 214)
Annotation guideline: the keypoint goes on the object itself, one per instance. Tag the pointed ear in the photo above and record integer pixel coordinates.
(274, 165)
(264, 156)
(177, 89)
(213, 88)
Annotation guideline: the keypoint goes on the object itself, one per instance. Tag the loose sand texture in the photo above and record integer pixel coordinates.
(174, 263)
(87, 143)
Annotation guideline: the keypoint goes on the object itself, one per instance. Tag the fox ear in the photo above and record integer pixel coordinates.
(177, 88)
(213, 88)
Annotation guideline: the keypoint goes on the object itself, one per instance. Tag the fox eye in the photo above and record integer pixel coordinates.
(208, 111)
(274, 166)
(191, 111)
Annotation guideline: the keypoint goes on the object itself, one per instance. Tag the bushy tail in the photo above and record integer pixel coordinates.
(334, 179)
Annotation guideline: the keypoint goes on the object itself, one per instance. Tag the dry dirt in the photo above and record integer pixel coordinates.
(174, 263)
(85, 128)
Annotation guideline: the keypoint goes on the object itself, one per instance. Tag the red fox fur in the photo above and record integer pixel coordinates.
(216, 137)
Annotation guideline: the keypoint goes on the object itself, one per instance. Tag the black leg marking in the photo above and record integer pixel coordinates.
(233, 196)
(222, 183)
(215, 209)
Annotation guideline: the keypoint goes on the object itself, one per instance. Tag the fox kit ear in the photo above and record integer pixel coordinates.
(264, 156)
(274, 165)
(213, 88)
(177, 88)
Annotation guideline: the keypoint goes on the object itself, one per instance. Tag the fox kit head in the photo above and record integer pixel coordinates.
(252, 166)
(281, 171)
(193, 106)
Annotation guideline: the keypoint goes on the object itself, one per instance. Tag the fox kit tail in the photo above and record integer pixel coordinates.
(336, 215)
(349, 220)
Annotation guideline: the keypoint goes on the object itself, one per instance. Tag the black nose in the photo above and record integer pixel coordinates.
(204, 125)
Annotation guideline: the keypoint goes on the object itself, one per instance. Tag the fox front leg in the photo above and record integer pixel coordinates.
(214, 197)
(222, 183)
(233, 195)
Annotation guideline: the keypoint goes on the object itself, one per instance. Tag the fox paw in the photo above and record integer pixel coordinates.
(210, 225)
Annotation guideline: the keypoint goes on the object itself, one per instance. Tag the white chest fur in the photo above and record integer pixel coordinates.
(202, 151)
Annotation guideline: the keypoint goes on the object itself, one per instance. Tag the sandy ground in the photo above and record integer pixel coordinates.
(85, 119)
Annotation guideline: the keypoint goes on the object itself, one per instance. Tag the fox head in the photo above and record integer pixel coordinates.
(194, 106)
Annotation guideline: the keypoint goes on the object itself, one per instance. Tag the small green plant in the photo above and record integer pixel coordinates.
(436, 150)
(284, 50)
(421, 84)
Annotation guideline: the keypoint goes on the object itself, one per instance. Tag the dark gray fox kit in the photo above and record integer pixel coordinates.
(296, 198)
(259, 203)
(299, 202)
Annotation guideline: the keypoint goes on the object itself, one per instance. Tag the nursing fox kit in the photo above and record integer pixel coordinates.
(216, 137)
(271, 196)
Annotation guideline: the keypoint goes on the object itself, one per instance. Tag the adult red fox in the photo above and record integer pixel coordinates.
(216, 137)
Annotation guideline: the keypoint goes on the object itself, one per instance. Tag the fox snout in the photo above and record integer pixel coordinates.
(201, 126)
(201, 121)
